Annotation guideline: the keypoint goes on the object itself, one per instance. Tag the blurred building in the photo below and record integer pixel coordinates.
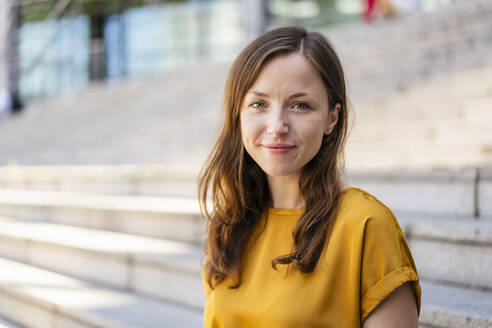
(5, 22)
(88, 40)
(4, 18)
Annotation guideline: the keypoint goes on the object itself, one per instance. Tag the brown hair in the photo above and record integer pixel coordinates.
(238, 186)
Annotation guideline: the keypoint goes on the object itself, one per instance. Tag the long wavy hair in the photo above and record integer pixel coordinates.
(238, 187)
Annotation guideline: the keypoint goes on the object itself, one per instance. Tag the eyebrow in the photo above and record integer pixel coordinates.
(295, 95)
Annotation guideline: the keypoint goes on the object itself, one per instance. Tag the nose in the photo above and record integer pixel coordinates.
(277, 125)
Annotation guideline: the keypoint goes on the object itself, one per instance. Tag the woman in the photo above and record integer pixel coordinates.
(286, 246)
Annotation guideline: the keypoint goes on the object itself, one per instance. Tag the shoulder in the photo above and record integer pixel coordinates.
(358, 207)
(362, 220)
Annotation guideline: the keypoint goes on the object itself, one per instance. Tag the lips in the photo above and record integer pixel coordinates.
(278, 148)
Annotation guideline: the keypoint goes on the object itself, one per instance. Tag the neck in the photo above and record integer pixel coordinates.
(285, 193)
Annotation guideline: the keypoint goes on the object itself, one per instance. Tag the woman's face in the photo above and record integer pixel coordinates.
(284, 115)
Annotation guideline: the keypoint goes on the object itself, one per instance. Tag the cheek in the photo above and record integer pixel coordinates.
(248, 129)
(314, 138)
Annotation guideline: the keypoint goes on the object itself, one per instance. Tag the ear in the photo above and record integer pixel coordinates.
(332, 118)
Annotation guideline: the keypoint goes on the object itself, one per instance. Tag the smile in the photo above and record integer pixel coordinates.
(278, 148)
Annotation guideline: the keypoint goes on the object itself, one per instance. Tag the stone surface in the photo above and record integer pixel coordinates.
(14, 248)
(457, 230)
(180, 287)
(429, 192)
(76, 262)
(173, 218)
(164, 269)
(7, 324)
(416, 154)
(53, 300)
(15, 308)
(485, 193)
(107, 179)
(452, 250)
(450, 306)
(439, 260)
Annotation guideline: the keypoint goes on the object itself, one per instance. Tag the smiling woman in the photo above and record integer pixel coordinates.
(286, 245)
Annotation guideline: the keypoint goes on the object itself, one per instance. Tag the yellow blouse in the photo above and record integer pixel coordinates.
(365, 260)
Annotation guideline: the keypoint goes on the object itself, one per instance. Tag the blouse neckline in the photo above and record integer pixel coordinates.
(293, 212)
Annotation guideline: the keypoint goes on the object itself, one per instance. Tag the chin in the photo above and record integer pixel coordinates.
(280, 172)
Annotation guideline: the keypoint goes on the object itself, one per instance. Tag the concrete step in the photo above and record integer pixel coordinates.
(37, 298)
(446, 192)
(4, 323)
(419, 27)
(416, 154)
(408, 68)
(158, 180)
(413, 108)
(448, 306)
(163, 217)
(436, 51)
(457, 251)
(60, 126)
(98, 130)
(438, 130)
(164, 269)
(464, 192)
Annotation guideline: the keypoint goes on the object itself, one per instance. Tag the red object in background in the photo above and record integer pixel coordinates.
(368, 14)
(383, 8)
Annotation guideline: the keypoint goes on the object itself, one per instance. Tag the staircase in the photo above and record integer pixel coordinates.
(420, 87)
(115, 259)
(443, 122)
(396, 55)
(86, 259)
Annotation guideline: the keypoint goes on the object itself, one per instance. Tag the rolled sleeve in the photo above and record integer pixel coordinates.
(387, 262)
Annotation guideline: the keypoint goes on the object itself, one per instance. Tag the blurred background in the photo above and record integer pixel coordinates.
(108, 109)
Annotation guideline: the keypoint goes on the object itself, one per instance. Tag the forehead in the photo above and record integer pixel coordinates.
(289, 73)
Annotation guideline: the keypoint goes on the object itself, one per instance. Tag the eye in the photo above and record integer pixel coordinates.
(301, 106)
(257, 105)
